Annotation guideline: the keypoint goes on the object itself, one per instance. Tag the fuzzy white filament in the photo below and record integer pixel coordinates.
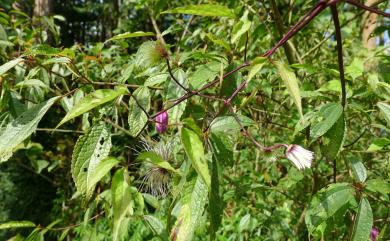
(301, 157)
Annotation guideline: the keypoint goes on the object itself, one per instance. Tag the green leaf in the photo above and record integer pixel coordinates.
(190, 212)
(148, 55)
(292, 84)
(215, 203)
(222, 148)
(156, 159)
(333, 139)
(228, 124)
(363, 222)
(219, 41)
(328, 115)
(93, 100)
(137, 117)
(174, 92)
(385, 108)
(334, 198)
(102, 168)
(21, 128)
(156, 226)
(195, 152)
(378, 144)
(87, 165)
(358, 169)
(256, 66)
(209, 10)
(17, 224)
(378, 185)
(9, 65)
(241, 27)
(130, 35)
(122, 204)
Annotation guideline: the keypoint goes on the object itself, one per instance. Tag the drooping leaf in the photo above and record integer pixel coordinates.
(137, 117)
(358, 169)
(93, 100)
(363, 222)
(89, 152)
(9, 65)
(195, 152)
(219, 41)
(22, 127)
(17, 224)
(385, 109)
(156, 226)
(228, 124)
(215, 203)
(156, 159)
(292, 84)
(256, 66)
(333, 139)
(334, 198)
(130, 35)
(328, 115)
(122, 204)
(148, 55)
(190, 212)
(210, 10)
(222, 148)
(241, 27)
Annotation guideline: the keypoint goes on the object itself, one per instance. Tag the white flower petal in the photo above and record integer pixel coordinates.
(300, 157)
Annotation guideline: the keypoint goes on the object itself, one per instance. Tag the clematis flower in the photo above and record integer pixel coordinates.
(299, 156)
(374, 233)
(162, 122)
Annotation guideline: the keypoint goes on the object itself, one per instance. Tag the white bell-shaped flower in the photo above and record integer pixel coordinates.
(301, 157)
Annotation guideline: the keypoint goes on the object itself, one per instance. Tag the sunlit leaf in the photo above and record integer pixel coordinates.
(156, 159)
(385, 109)
(130, 35)
(358, 169)
(204, 10)
(327, 116)
(9, 65)
(17, 224)
(137, 117)
(93, 100)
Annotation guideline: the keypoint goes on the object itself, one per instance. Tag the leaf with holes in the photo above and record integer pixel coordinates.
(137, 117)
(93, 100)
(363, 222)
(193, 202)
(209, 10)
(292, 84)
(21, 128)
(122, 204)
(195, 152)
(88, 155)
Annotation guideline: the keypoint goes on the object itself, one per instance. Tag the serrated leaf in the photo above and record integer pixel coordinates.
(228, 124)
(93, 100)
(21, 128)
(385, 109)
(241, 27)
(334, 198)
(130, 35)
(256, 66)
(9, 65)
(156, 159)
(333, 139)
(174, 92)
(358, 169)
(156, 226)
(147, 55)
(219, 41)
(328, 115)
(88, 155)
(222, 148)
(122, 204)
(363, 222)
(190, 212)
(210, 10)
(137, 117)
(292, 84)
(195, 152)
(17, 224)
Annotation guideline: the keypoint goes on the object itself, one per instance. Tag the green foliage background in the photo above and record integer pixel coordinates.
(88, 164)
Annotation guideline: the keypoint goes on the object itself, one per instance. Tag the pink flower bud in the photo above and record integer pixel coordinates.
(162, 122)
(374, 233)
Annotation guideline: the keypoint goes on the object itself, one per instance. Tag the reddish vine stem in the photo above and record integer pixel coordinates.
(174, 78)
(368, 8)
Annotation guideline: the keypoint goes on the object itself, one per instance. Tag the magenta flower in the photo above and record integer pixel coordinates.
(299, 156)
(374, 234)
(162, 122)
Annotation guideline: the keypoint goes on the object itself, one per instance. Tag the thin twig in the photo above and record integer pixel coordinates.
(367, 8)
(59, 130)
